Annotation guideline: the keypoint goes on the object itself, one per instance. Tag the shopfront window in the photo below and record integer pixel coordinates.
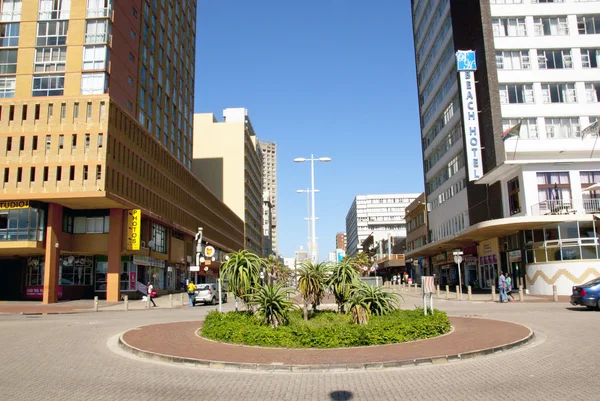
(565, 241)
(100, 279)
(22, 225)
(35, 271)
(514, 204)
(76, 270)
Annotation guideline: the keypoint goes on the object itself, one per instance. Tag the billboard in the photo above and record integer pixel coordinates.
(134, 224)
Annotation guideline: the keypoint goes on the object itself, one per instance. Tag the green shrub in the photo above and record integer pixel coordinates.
(327, 329)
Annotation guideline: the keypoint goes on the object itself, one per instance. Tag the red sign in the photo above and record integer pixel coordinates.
(37, 292)
(132, 280)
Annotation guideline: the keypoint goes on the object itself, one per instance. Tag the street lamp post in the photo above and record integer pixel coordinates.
(308, 219)
(312, 185)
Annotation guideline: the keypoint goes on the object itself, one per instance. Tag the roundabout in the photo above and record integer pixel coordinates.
(178, 342)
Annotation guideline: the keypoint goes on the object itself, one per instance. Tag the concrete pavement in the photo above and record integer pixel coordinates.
(75, 357)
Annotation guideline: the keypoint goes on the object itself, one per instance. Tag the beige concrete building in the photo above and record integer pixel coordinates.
(416, 229)
(269, 152)
(96, 192)
(228, 159)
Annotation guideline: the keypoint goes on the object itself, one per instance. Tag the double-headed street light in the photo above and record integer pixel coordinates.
(312, 160)
(307, 191)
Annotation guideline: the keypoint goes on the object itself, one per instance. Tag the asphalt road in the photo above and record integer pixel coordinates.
(75, 357)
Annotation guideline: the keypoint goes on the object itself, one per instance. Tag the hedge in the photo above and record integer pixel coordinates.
(326, 329)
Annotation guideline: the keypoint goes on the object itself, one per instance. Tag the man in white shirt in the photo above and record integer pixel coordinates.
(150, 290)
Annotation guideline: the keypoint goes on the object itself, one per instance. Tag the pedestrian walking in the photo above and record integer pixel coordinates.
(395, 280)
(502, 287)
(150, 291)
(190, 290)
(508, 282)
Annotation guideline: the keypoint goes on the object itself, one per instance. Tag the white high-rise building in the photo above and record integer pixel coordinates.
(380, 215)
(499, 197)
(269, 152)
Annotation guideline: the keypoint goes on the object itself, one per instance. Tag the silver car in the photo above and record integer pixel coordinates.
(209, 294)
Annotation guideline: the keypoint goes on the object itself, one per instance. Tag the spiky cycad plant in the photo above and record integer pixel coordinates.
(273, 303)
(242, 269)
(378, 301)
(311, 284)
(343, 276)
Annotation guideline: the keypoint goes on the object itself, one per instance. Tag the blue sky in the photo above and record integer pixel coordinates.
(334, 78)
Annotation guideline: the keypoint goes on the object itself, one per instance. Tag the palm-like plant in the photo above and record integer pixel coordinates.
(311, 284)
(358, 308)
(273, 268)
(361, 261)
(273, 303)
(242, 269)
(377, 301)
(343, 276)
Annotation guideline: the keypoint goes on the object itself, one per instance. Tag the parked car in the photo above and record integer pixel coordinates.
(208, 294)
(587, 294)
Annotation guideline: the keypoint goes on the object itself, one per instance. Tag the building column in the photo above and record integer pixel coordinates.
(115, 246)
(52, 256)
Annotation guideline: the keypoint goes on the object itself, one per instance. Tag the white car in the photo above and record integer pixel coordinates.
(208, 294)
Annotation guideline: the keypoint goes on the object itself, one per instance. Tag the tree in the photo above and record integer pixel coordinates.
(311, 284)
(242, 269)
(360, 261)
(273, 303)
(275, 269)
(377, 301)
(343, 276)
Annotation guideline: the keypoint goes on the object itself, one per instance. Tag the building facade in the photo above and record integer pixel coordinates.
(380, 215)
(96, 101)
(300, 256)
(228, 159)
(269, 152)
(340, 241)
(529, 158)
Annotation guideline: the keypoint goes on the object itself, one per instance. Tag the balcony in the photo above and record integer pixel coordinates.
(49, 15)
(91, 38)
(103, 12)
(393, 260)
(573, 206)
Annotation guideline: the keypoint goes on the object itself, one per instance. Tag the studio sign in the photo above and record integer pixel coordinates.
(23, 204)
(466, 65)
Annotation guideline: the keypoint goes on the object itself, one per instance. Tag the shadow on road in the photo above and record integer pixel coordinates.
(580, 309)
(341, 395)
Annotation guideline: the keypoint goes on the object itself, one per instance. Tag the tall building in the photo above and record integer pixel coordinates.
(96, 101)
(379, 215)
(267, 225)
(269, 152)
(340, 241)
(507, 137)
(228, 159)
(300, 256)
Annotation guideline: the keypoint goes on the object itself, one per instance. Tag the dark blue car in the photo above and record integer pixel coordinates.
(587, 294)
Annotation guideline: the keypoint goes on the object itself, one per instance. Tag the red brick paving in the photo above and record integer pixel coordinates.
(180, 340)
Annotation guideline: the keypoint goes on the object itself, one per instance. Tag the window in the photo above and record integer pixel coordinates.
(95, 58)
(11, 10)
(509, 27)
(592, 92)
(513, 60)
(559, 93)
(588, 24)
(551, 26)
(563, 127)
(94, 83)
(76, 270)
(100, 140)
(73, 141)
(48, 142)
(97, 31)
(516, 93)
(9, 35)
(554, 59)
(50, 59)
(98, 172)
(87, 141)
(8, 61)
(553, 186)
(52, 33)
(71, 173)
(90, 225)
(159, 237)
(7, 87)
(514, 204)
(48, 85)
(98, 8)
(590, 58)
(61, 141)
(59, 173)
(54, 9)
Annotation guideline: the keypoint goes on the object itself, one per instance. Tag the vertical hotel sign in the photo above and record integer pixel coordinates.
(134, 224)
(466, 66)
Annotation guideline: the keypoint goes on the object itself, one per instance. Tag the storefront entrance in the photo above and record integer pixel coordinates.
(12, 271)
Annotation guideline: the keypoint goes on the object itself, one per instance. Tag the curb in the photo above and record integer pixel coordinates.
(439, 359)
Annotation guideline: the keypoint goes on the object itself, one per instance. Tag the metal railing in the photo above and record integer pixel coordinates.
(48, 15)
(573, 206)
(99, 12)
(9, 16)
(96, 38)
(385, 258)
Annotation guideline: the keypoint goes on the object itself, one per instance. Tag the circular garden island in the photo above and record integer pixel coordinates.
(366, 315)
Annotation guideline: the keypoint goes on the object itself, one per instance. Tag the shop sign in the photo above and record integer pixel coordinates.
(514, 256)
(132, 281)
(441, 258)
(147, 261)
(9, 205)
(194, 268)
(470, 260)
(37, 292)
(466, 66)
(134, 224)
(488, 260)
(209, 252)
